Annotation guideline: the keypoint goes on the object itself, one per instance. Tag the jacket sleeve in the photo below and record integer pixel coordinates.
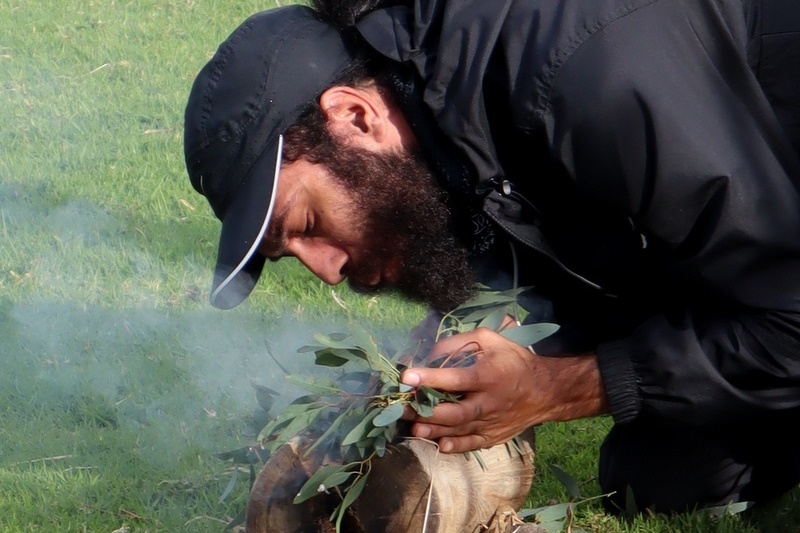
(658, 115)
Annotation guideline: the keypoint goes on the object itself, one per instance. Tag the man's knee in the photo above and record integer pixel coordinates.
(665, 467)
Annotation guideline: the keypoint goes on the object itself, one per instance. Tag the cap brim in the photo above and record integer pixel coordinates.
(245, 223)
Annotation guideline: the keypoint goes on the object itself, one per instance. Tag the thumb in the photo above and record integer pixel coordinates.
(443, 379)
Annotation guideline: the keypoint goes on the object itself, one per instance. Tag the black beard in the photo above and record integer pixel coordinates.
(405, 216)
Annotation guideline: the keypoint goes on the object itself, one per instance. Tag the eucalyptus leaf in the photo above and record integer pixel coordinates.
(332, 428)
(350, 496)
(389, 415)
(494, 320)
(530, 333)
(730, 509)
(298, 424)
(483, 299)
(374, 432)
(315, 386)
(380, 446)
(333, 340)
(230, 487)
(283, 419)
(361, 338)
(361, 429)
(569, 483)
(245, 455)
(555, 526)
(552, 513)
(425, 411)
(328, 357)
(390, 433)
(237, 520)
(482, 313)
(309, 348)
(305, 399)
(338, 356)
(310, 487)
(336, 479)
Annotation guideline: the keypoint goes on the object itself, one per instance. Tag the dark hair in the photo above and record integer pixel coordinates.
(308, 136)
(345, 13)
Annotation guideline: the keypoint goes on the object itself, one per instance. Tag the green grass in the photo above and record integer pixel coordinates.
(118, 382)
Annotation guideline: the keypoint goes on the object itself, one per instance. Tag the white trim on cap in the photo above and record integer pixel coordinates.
(262, 231)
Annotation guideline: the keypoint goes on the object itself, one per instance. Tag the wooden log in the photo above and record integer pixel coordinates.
(413, 488)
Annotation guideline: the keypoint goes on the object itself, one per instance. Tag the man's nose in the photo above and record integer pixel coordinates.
(324, 260)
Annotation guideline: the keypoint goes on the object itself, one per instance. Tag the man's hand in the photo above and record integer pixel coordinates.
(506, 391)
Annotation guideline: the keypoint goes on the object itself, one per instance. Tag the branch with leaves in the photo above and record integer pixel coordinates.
(363, 407)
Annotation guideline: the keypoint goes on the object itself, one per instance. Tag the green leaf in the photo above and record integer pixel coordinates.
(389, 415)
(552, 513)
(361, 338)
(330, 431)
(338, 356)
(374, 432)
(282, 420)
(315, 386)
(246, 455)
(430, 393)
(730, 509)
(361, 429)
(310, 487)
(334, 480)
(309, 348)
(555, 526)
(333, 340)
(231, 485)
(298, 424)
(494, 320)
(328, 357)
(569, 483)
(530, 333)
(237, 520)
(354, 492)
(290, 412)
(380, 446)
(486, 298)
(304, 400)
(425, 411)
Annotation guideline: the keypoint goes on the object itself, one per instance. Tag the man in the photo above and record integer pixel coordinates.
(634, 160)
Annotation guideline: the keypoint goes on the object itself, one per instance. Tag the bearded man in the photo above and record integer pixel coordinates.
(634, 160)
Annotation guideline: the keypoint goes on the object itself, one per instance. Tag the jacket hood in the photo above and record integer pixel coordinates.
(438, 38)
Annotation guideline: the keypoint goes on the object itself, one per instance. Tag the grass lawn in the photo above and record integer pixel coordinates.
(118, 382)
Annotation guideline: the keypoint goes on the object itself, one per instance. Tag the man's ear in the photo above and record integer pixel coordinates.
(357, 115)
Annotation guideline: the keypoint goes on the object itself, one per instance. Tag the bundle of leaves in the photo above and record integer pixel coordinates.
(362, 406)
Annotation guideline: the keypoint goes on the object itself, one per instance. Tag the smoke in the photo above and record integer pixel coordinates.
(88, 336)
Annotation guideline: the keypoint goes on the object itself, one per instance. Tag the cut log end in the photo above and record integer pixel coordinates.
(411, 486)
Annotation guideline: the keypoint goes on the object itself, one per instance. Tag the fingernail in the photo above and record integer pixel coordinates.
(423, 432)
(411, 379)
(446, 446)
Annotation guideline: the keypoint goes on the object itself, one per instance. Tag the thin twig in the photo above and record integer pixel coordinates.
(44, 460)
(269, 352)
(215, 519)
(430, 486)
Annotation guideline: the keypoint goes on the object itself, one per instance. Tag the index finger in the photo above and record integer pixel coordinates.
(461, 343)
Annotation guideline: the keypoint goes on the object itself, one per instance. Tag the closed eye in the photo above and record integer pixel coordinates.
(308, 231)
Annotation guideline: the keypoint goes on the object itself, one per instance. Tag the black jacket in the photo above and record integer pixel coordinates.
(643, 156)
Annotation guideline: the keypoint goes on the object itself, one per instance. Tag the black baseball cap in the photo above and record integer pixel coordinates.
(242, 101)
